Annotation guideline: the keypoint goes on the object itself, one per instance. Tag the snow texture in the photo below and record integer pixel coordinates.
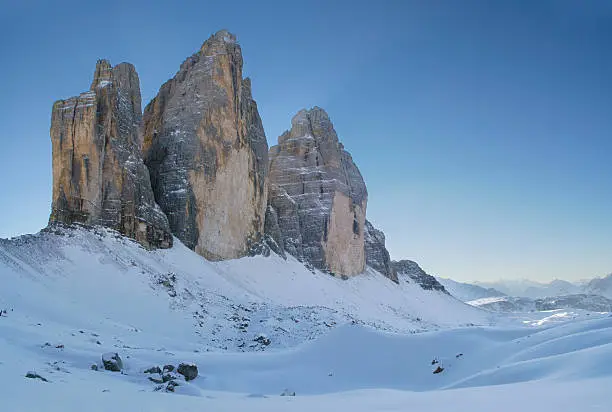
(72, 295)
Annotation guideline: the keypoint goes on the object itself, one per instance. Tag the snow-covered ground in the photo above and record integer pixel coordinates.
(258, 327)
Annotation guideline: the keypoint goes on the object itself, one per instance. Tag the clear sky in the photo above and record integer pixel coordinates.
(483, 128)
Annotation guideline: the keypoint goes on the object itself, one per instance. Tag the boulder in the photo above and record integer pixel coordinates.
(34, 375)
(99, 177)
(317, 199)
(189, 371)
(206, 150)
(112, 362)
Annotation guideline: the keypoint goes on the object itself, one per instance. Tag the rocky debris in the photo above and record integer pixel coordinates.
(153, 369)
(265, 246)
(171, 385)
(439, 369)
(376, 254)
(206, 150)
(317, 199)
(287, 392)
(189, 371)
(263, 339)
(168, 368)
(163, 378)
(112, 362)
(93, 367)
(168, 281)
(99, 177)
(413, 271)
(34, 375)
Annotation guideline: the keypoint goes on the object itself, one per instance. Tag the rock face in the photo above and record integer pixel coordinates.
(317, 200)
(207, 153)
(190, 372)
(418, 275)
(376, 254)
(112, 362)
(99, 177)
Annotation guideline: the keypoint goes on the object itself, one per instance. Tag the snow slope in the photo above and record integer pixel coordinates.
(73, 295)
(220, 305)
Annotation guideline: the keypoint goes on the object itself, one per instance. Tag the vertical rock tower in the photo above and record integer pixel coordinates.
(377, 255)
(207, 153)
(99, 177)
(318, 199)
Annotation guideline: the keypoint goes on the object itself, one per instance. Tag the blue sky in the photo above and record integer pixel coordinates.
(483, 129)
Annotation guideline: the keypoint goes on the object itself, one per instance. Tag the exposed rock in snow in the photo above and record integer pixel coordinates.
(206, 149)
(318, 196)
(99, 177)
(112, 362)
(190, 372)
(412, 270)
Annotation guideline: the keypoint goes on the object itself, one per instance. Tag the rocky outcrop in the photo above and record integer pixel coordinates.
(317, 196)
(413, 271)
(376, 254)
(99, 177)
(207, 153)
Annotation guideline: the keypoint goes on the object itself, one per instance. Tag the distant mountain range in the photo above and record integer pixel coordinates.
(530, 289)
(467, 291)
(534, 290)
(526, 295)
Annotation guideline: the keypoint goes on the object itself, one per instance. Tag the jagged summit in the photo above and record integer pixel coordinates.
(318, 196)
(99, 177)
(207, 153)
(102, 75)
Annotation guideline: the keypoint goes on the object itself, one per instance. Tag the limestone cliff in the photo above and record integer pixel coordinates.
(207, 152)
(99, 177)
(376, 253)
(317, 196)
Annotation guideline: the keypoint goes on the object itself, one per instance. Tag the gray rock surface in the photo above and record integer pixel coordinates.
(207, 152)
(413, 271)
(99, 177)
(376, 254)
(112, 362)
(317, 198)
(190, 372)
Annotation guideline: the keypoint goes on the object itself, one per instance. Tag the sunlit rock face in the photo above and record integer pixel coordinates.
(99, 177)
(317, 196)
(376, 253)
(207, 153)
